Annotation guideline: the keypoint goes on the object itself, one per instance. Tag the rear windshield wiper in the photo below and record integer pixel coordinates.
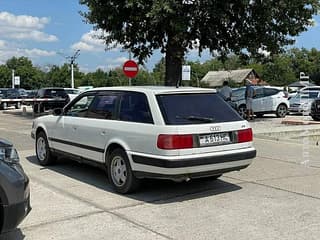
(197, 118)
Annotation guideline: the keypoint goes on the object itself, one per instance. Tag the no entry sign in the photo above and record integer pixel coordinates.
(130, 68)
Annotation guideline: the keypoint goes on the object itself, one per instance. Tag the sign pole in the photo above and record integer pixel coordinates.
(12, 78)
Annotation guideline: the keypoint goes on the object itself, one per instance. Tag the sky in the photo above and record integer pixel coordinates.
(48, 32)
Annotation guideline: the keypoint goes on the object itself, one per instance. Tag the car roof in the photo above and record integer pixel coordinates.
(156, 89)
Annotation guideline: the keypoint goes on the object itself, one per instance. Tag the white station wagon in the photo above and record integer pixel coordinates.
(147, 132)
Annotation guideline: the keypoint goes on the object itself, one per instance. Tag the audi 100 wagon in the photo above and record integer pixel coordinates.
(147, 132)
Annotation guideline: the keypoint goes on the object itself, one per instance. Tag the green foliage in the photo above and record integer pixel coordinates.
(281, 69)
(224, 27)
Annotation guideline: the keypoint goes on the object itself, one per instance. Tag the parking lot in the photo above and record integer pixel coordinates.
(277, 197)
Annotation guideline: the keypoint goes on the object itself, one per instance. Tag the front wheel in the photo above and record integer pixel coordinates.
(315, 118)
(281, 111)
(119, 172)
(44, 155)
(4, 106)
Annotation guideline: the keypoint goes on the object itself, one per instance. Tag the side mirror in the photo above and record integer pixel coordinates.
(57, 111)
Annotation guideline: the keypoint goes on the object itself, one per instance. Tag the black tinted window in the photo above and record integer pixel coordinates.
(259, 92)
(103, 106)
(134, 107)
(270, 91)
(195, 109)
(54, 93)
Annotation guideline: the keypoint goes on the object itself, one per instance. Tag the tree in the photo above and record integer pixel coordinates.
(30, 77)
(175, 26)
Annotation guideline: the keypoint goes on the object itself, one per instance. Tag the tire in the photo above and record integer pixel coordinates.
(315, 118)
(41, 108)
(43, 152)
(18, 105)
(35, 108)
(259, 115)
(242, 110)
(281, 111)
(119, 172)
(4, 106)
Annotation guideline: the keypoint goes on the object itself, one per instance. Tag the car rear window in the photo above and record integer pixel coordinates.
(195, 108)
(55, 93)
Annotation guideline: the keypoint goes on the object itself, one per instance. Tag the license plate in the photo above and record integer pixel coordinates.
(318, 106)
(214, 139)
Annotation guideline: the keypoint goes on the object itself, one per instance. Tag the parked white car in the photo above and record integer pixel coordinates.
(147, 132)
(301, 103)
(267, 100)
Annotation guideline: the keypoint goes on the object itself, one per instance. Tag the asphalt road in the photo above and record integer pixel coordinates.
(277, 197)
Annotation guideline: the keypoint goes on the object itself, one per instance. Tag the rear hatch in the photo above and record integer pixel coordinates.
(201, 123)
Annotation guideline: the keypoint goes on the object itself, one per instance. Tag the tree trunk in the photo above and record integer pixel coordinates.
(174, 59)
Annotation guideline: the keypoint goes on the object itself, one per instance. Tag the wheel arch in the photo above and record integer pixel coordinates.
(111, 147)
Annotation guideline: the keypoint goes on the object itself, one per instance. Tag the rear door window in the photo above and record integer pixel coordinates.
(270, 91)
(134, 107)
(195, 108)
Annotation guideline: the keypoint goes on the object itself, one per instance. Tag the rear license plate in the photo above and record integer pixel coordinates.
(214, 139)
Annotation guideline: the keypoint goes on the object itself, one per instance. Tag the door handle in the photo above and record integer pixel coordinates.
(74, 128)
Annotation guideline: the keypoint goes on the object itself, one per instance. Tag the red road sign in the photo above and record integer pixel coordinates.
(130, 68)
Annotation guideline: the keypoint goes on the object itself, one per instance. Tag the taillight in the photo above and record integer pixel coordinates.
(168, 141)
(245, 135)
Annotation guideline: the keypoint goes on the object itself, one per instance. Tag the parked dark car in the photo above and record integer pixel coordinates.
(52, 98)
(14, 188)
(315, 109)
(9, 97)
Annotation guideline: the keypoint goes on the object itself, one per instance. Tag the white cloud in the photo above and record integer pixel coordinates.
(37, 52)
(24, 27)
(9, 50)
(2, 44)
(91, 42)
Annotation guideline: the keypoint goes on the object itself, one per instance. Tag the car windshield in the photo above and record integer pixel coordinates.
(195, 108)
(310, 95)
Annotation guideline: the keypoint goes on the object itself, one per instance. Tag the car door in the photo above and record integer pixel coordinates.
(93, 131)
(63, 134)
(257, 102)
(270, 98)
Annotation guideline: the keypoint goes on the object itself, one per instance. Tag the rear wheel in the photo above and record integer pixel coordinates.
(18, 105)
(282, 110)
(44, 155)
(119, 172)
(242, 110)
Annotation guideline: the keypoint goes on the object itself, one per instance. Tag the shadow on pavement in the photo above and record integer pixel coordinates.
(151, 190)
(13, 235)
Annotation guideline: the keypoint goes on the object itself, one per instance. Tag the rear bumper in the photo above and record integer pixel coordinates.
(185, 167)
(191, 162)
(181, 177)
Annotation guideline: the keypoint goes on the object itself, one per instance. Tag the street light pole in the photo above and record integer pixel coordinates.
(72, 59)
